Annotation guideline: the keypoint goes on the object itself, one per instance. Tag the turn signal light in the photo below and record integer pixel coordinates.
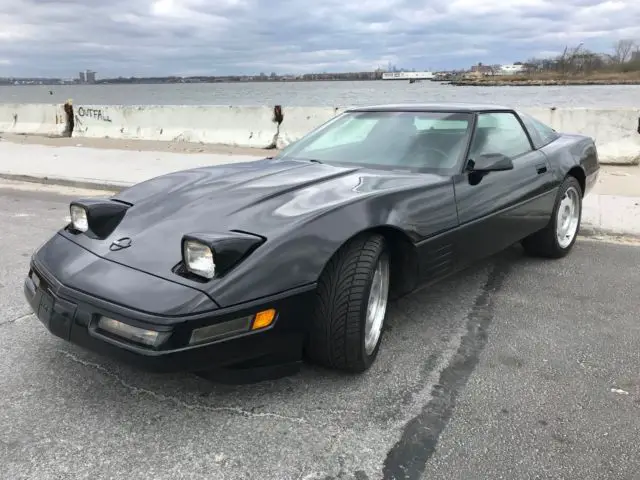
(263, 319)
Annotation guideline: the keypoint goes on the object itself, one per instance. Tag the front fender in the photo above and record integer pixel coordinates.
(296, 255)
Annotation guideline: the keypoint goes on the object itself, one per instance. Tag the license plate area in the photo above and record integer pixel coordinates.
(45, 310)
(55, 313)
(35, 279)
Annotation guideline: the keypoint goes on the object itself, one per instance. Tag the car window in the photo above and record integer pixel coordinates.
(499, 133)
(425, 141)
(353, 130)
(440, 124)
(545, 134)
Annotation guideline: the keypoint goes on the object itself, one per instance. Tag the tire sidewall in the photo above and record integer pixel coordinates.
(566, 185)
(366, 358)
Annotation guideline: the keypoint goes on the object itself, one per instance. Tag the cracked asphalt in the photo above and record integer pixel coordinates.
(515, 369)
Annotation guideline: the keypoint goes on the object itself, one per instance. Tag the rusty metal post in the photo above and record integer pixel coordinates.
(278, 117)
(70, 120)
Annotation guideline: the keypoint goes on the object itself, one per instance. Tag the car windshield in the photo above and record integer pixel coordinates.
(417, 141)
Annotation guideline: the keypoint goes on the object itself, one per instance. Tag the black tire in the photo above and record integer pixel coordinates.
(544, 243)
(337, 327)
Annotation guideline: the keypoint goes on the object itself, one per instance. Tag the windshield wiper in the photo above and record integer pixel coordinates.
(313, 160)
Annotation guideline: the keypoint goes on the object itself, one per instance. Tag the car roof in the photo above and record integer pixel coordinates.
(431, 107)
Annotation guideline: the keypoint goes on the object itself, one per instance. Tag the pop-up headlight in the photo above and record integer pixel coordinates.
(208, 255)
(79, 219)
(96, 217)
(198, 259)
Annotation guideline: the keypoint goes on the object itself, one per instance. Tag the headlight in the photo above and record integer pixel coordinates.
(79, 218)
(96, 217)
(213, 254)
(198, 258)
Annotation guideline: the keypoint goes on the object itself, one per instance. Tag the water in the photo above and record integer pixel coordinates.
(335, 94)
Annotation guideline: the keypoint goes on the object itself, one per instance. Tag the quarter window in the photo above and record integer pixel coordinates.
(545, 133)
(499, 133)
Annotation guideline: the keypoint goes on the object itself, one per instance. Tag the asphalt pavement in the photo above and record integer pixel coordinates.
(518, 368)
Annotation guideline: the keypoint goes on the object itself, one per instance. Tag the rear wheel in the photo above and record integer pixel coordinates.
(557, 238)
(351, 306)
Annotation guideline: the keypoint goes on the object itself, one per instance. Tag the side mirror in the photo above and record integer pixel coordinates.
(490, 162)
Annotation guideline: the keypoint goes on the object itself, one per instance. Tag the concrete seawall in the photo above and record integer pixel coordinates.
(614, 130)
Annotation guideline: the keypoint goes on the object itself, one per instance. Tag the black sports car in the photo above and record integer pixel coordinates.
(295, 257)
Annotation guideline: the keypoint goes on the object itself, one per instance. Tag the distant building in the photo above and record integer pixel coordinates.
(635, 56)
(511, 69)
(407, 76)
(481, 69)
(87, 76)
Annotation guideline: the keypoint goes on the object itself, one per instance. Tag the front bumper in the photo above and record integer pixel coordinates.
(73, 316)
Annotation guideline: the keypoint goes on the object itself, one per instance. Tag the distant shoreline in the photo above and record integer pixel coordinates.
(538, 83)
(484, 81)
(632, 78)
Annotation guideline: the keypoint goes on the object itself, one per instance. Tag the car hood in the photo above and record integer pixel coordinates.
(265, 197)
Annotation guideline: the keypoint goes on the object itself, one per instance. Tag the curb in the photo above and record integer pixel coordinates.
(613, 163)
(66, 182)
(591, 231)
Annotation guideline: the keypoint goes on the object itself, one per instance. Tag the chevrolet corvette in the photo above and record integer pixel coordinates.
(295, 257)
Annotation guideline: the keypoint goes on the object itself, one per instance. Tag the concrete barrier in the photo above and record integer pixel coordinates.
(614, 130)
(229, 125)
(39, 119)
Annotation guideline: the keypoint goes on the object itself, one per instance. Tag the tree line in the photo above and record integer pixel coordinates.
(623, 58)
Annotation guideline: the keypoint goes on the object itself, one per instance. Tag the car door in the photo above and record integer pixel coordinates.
(497, 209)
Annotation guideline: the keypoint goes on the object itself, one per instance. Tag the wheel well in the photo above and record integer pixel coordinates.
(403, 258)
(579, 175)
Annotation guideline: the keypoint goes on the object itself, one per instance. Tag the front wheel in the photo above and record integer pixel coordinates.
(557, 238)
(351, 306)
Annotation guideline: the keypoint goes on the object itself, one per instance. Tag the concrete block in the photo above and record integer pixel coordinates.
(216, 124)
(615, 130)
(37, 119)
(612, 214)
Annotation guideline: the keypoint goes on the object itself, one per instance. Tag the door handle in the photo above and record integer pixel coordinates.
(541, 168)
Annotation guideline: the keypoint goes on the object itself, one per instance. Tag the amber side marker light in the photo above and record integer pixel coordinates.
(263, 319)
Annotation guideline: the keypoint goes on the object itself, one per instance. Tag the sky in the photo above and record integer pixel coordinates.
(58, 38)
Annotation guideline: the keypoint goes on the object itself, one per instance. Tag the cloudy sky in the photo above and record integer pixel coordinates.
(186, 37)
